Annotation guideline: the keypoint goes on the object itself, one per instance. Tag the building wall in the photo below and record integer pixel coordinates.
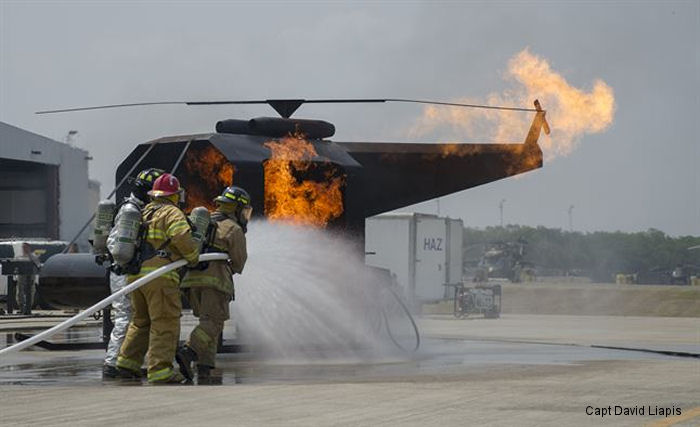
(73, 195)
(74, 201)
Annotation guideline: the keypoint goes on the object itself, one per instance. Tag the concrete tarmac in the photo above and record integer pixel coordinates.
(518, 370)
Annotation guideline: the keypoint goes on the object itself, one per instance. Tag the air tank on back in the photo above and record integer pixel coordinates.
(104, 218)
(200, 218)
(128, 224)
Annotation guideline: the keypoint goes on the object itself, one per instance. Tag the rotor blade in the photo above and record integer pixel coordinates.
(344, 101)
(99, 107)
(303, 101)
(226, 102)
(138, 104)
(272, 102)
(454, 104)
(414, 101)
(287, 107)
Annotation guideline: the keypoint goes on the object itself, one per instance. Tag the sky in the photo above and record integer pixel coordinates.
(640, 173)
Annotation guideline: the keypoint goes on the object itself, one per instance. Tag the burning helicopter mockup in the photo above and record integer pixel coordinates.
(294, 173)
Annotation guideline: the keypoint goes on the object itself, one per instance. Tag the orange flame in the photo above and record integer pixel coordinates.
(299, 201)
(210, 172)
(571, 112)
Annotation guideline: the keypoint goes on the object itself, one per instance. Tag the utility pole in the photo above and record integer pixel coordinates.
(571, 218)
(500, 206)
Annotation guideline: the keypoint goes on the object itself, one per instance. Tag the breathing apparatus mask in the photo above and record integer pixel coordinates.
(246, 213)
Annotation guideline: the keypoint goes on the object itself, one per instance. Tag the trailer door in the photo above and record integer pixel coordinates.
(431, 251)
(387, 246)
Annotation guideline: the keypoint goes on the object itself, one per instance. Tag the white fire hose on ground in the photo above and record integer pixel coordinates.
(107, 301)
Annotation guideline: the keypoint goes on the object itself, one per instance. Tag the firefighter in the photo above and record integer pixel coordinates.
(26, 290)
(155, 324)
(121, 308)
(210, 287)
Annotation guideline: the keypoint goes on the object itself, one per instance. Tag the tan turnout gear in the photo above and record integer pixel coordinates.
(155, 325)
(211, 306)
(211, 290)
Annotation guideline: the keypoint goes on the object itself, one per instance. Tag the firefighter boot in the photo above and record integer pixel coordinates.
(204, 374)
(175, 378)
(110, 372)
(184, 357)
(128, 374)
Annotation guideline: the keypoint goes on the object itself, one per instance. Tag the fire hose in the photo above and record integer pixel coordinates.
(414, 326)
(107, 301)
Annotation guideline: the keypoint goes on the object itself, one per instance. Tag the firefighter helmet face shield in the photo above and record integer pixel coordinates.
(246, 213)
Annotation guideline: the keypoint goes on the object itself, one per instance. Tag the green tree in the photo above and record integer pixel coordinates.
(600, 254)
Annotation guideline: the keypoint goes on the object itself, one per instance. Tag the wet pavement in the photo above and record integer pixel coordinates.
(436, 358)
(538, 370)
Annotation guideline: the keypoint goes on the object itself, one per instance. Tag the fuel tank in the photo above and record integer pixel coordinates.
(69, 281)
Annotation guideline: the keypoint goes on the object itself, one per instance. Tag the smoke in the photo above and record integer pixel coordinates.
(571, 112)
(305, 294)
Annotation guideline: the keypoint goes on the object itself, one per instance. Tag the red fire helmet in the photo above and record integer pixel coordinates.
(165, 185)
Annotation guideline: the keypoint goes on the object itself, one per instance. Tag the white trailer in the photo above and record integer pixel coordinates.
(423, 251)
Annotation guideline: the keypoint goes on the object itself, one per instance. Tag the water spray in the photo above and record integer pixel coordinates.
(306, 295)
